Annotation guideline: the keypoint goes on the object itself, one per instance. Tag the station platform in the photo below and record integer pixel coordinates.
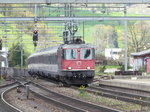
(133, 82)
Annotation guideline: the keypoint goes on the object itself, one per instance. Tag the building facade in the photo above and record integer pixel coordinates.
(141, 60)
(113, 53)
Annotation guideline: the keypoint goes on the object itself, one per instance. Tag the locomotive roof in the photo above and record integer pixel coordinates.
(44, 51)
(78, 46)
(55, 48)
(49, 48)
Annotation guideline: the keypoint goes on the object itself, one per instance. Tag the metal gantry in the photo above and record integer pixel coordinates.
(75, 1)
(133, 18)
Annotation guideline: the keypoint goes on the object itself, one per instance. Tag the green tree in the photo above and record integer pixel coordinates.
(138, 36)
(15, 56)
(104, 36)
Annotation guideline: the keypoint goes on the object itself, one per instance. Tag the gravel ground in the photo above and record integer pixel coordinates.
(33, 104)
(83, 95)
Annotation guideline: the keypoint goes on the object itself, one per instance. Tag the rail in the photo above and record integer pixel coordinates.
(7, 105)
(78, 103)
(120, 95)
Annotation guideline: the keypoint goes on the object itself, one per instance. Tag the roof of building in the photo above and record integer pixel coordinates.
(142, 53)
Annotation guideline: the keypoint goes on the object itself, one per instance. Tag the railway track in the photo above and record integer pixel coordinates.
(67, 102)
(7, 85)
(128, 90)
(141, 100)
(119, 95)
(4, 105)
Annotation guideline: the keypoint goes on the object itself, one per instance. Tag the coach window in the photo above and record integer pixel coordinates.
(70, 54)
(86, 54)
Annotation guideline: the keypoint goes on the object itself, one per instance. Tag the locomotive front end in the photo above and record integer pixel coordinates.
(78, 64)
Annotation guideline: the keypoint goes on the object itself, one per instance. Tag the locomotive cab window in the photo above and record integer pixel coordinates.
(86, 54)
(70, 54)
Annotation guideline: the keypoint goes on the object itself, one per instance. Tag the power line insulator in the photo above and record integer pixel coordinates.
(65, 33)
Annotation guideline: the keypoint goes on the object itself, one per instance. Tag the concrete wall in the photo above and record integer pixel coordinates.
(13, 72)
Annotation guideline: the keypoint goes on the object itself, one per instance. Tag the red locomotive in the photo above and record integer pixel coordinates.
(69, 63)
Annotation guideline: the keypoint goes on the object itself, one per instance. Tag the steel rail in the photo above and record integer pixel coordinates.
(7, 85)
(116, 92)
(74, 1)
(83, 104)
(57, 103)
(101, 18)
(6, 105)
(123, 88)
(119, 96)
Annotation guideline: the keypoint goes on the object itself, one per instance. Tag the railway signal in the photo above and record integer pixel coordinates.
(35, 37)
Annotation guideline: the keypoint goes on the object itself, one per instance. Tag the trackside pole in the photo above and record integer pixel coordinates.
(27, 91)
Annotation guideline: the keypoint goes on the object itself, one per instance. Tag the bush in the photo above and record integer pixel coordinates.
(102, 60)
(142, 69)
(122, 67)
(102, 68)
(111, 61)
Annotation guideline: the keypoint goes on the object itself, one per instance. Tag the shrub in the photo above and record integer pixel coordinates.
(102, 68)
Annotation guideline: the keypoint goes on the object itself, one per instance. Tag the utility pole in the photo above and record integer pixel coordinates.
(21, 56)
(35, 13)
(21, 46)
(35, 21)
(71, 22)
(83, 31)
(125, 41)
(6, 44)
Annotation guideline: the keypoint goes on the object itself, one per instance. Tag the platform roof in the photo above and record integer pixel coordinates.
(142, 53)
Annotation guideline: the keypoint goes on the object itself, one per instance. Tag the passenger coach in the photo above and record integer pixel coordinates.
(69, 63)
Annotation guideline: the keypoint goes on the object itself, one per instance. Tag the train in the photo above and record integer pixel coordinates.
(71, 64)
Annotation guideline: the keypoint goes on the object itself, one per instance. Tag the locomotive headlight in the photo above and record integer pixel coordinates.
(88, 68)
(69, 68)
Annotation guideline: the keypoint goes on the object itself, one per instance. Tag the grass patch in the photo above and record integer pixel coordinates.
(112, 66)
(107, 67)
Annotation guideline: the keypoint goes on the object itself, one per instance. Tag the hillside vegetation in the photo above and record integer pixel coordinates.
(100, 33)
